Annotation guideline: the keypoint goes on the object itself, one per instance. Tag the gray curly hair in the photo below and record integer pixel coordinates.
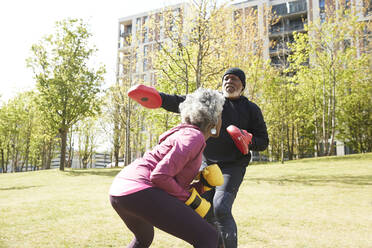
(202, 108)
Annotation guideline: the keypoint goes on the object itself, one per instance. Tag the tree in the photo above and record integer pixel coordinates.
(110, 121)
(19, 131)
(68, 88)
(87, 132)
(186, 45)
(188, 42)
(123, 111)
(327, 68)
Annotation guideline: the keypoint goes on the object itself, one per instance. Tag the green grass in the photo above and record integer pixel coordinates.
(312, 203)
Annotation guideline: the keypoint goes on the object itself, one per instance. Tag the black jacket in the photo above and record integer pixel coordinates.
(241, 113)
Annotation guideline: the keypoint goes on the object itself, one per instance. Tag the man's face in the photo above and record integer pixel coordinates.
(231, 86)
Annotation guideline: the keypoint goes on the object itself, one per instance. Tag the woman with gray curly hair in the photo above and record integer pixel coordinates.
(203, 109)
(157, 190)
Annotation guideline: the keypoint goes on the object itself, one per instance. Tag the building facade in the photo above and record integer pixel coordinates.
(291, 16)
(134, 41)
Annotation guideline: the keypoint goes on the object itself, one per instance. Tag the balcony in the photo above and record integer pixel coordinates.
(286, 26)
(280, 9)
(279, 48)
(125, 38)
(297, 7)
(290, 8)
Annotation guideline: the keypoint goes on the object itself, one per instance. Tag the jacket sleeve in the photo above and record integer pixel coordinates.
(163, 176)
(260, 139)
(171, 102)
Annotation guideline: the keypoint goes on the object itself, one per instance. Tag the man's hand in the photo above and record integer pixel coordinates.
(147, 96)
(241, 138)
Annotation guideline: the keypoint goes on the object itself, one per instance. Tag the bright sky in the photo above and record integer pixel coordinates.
(25, 22)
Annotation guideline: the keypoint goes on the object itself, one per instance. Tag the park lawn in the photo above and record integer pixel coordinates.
(312, 203)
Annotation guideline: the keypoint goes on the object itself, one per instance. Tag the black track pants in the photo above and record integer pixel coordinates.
(222, 199)
(153, 207)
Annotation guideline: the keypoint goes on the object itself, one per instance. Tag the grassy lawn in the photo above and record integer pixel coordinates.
(312, 203)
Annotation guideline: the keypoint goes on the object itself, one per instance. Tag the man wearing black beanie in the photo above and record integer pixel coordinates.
(237, 72)
(246, 115)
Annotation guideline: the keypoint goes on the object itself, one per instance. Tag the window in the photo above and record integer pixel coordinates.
(145, 57)
(280, 9)
(297, 6)
(321, 4)
(145, 30)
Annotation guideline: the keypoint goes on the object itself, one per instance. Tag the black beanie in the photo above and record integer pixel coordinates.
(237, 72)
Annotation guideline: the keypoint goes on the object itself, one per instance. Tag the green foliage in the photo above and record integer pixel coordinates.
(23, 134)
(332, 79)
(87, 134)
(68, 88)
(355, 114)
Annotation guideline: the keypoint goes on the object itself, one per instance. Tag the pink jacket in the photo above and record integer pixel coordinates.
(171, 165)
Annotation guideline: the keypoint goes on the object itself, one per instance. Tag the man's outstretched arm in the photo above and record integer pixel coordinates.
(171, 102)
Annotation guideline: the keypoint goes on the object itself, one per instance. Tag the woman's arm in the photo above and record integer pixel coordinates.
(183, 152)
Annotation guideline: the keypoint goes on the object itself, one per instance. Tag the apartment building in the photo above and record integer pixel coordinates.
(291, 15)
(133, 34)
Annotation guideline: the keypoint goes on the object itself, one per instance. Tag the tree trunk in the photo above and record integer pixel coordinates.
(85, 162)
(63, 133)
(2, 161)
(27, 148)
(127, 135)
(70, 149)
(297, 138)
(116, 135)
(91, 155)
(291, 155)
(13, 159)
(333, 115)
(282, 144)
(49, 153)
(282, 151)
(325, 140)
(86, 152)
(7, 157)
(43, 154)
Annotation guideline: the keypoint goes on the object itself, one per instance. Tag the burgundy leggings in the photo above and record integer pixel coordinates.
(143, 210)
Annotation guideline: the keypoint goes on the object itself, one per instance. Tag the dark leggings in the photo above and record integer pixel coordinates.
(222, 199)
(143, 210)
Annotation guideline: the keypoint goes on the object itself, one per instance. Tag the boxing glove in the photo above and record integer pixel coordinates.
(145, 95)
(211, 176)
(199, 204)
(241, 138)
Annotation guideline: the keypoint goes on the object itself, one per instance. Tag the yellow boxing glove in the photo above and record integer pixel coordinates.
(199, 204)
(211, 176)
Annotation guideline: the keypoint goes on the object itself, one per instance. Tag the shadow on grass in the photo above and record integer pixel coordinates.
(18, 188)
(360, 156)
(325, 159)
(314, 180)
(89, 172)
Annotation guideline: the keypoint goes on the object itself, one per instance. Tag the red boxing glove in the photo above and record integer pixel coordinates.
(147, 96)
(241, 138)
